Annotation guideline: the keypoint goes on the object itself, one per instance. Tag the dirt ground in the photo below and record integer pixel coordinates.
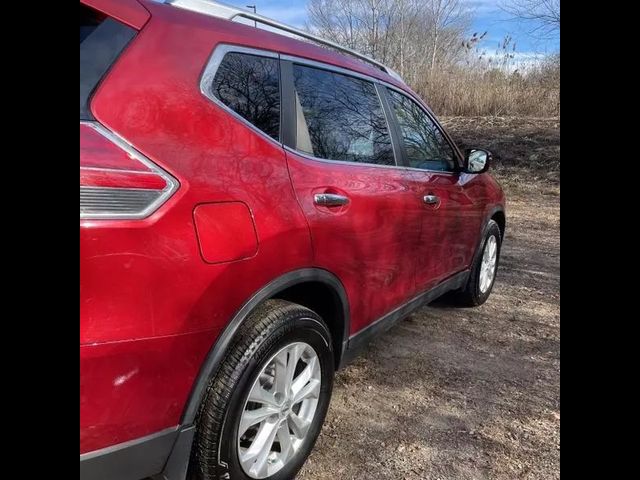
(454, 393)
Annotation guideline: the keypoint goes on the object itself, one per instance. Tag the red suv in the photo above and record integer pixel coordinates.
(253, 208)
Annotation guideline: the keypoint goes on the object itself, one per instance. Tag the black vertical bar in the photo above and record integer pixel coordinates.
(288, 104)
(394, 129)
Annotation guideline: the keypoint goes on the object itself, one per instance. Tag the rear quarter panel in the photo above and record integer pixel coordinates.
(150, 306)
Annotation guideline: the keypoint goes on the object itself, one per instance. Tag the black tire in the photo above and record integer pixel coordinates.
(272, 326)
(471, 295)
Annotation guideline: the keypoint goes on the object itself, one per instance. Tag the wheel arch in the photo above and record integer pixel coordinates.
(496, 214)
(499, 217)
(295, 286)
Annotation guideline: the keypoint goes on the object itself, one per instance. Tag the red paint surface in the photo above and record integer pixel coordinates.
(369, 243)
(226, 232)
(450, 229)
(159, 370)
(151, 307)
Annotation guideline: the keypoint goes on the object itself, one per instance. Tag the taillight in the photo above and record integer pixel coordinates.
(116, 181)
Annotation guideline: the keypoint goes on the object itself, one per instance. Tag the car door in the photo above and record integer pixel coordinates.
(363, 216)
(450, 218)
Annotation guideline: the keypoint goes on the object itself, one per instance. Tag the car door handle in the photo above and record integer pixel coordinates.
(430, 199)
(330, 199)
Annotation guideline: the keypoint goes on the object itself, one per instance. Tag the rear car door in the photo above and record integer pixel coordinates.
(450, 218)
(363, 216)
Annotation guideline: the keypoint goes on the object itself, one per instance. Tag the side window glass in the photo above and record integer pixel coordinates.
(250, 86)
(340, 117)
(426, 146)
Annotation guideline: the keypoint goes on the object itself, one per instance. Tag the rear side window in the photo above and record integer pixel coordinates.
(250, 86)
(102, 39)
(340, 118)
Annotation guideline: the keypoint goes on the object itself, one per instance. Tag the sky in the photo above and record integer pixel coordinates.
(486, 13)
(489, 17)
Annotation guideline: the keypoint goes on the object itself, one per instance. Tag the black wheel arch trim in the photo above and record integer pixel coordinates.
(483, 232)
(491, 214)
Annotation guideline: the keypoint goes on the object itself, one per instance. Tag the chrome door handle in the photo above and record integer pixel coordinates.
(430, 199)
(330, 199)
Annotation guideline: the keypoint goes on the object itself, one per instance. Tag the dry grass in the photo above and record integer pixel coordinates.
(482, 88)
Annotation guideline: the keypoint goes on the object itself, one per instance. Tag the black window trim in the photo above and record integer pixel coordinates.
(288, 113)
(399, 151)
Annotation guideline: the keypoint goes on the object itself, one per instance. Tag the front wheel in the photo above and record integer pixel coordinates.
(483, 271)
(264, 409)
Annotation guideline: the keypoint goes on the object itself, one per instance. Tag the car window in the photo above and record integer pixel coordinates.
(250, 86)
(426, 146)
(340, 118)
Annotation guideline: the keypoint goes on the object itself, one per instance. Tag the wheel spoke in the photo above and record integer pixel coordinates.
(307, 374)
(260, 395)
(251, 417)
(255, 458)
(286, 362)
(294, 357)
(310, 390)
(286, 442)
(299, 426)
(280, 381)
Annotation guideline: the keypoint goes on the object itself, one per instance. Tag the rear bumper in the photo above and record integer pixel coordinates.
(132, 460)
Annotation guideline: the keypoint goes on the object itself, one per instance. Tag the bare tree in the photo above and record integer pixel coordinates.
(412, 36)
(358, 24)
(544, 14)
(403, 31)
(450, 19)
(336, 20)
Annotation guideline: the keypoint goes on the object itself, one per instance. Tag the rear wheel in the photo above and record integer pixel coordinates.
(264, 409)
(483, 271)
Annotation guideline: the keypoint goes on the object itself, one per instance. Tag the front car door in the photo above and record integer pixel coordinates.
(363, 215)
(451, 220)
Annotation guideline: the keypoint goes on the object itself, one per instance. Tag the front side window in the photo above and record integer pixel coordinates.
(339, 117)
(250, 86)
(426, 146)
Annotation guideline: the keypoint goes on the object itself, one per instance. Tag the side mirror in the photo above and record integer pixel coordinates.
(477, 161)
